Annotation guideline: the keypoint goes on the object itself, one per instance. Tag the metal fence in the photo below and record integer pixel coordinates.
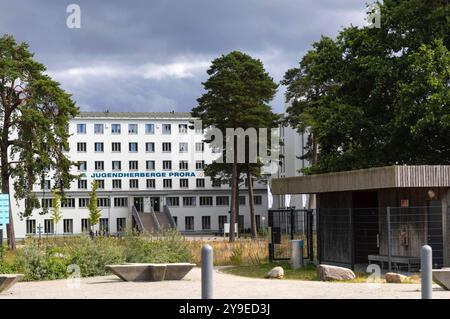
(289, 224)
(390, 236)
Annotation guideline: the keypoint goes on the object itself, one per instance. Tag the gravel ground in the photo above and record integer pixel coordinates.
(225, 285)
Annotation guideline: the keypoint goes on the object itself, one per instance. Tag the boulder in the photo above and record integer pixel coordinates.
(328, 272)
(8, 280)
(276, 272)
(442, 277)
(394, 278)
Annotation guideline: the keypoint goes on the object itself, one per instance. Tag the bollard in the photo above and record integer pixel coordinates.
(296, 254)
(426, 260)
(207, 272)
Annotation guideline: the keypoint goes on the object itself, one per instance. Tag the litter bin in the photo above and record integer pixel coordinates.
(296, 254)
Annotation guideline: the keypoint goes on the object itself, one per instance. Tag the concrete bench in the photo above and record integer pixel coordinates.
(150, 272)
(442, 277)
(8, 280)
(411, 262)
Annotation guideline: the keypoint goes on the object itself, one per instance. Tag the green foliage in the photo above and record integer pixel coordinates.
(94, 211)
(380, 96)
(56, 214)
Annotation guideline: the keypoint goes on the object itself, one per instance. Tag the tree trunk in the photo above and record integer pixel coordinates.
(5, 183)
(234, 198)
(251, 202)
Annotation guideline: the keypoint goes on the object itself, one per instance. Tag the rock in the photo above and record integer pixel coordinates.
(8, 280)
(328, 272)
(276, 272)
(394, 278)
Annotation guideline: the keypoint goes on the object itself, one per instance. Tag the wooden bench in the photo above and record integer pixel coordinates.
(411, 262)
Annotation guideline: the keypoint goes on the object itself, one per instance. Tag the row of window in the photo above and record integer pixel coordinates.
(150, 165)
(133, 147)
(133, 128)
(172, 201)
(49, 226)
(189, 222)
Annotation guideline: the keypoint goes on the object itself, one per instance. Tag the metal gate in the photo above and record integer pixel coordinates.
(289, 224)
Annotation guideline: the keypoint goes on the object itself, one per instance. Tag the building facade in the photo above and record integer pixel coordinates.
(145, 160)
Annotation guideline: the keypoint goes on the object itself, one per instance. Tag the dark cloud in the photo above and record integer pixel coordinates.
(152, 55)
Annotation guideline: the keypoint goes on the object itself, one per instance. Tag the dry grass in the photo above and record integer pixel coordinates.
(241, 252)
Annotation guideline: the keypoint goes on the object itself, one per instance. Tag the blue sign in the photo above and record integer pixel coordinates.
(4, 209)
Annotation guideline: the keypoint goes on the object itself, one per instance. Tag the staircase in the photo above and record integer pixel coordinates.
(153, 222)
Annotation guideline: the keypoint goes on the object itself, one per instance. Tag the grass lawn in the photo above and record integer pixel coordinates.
(306, 273)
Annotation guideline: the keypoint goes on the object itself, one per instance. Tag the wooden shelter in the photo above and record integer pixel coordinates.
(356, 210)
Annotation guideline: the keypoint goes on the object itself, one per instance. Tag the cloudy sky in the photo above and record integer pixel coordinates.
(152, 55)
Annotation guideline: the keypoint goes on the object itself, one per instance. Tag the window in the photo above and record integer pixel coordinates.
(82, 166)
(216, 149)
(167, 147)
(183, 147)
(172, 201)
(46, 184)
(116, 183)
(68, 202)
(68, 226)
(206, 200)
(98, 147)
(149, 128)
(132, 128)
(257, 199)
(99, 165)
(200, 182)
(46, 202)
(83, 202)
(222, 221)
(190, 201)
(121, 202)
(241, 200)
(199, 165)
(206, 222)
(175, 219)
(198, 130)
(82, 184)
(184, 183)
(104, 225)
(116, 165)
(121, 224)
(167, 165)
(189, 222)
(184, 165)
(103, 202)
(182, 128)
(133, 165)
(167, 129)
(81, 147)
(115, 129)
(150, 165)
(150, 147)
(49, 226)
(31, 226)
(167, 183)
(133, 147)
(116, 147)
(81, 128)
(134, 183)
(85, 225)
(151, 183)
(216, 183)
(100, 183)
(99, 128)
(222, 200)
(200, 147)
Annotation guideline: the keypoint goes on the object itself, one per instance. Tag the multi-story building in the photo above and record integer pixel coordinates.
(150, 161)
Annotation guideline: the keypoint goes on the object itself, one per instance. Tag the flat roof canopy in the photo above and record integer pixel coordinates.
(365, 179)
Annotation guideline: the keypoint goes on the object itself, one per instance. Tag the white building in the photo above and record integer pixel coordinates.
(145, 160)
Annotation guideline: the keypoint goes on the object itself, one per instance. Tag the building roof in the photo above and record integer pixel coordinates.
(134, 115)
(365, 179)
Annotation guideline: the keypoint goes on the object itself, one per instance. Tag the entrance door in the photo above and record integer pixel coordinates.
(365, 225)
(434, 234)
(154, 202)
(138, 202)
